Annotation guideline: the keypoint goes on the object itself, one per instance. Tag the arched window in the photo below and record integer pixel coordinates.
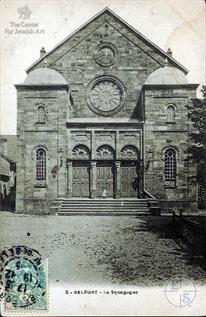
(40, 164)
(170, 165)
(41, 114)
(170, 114)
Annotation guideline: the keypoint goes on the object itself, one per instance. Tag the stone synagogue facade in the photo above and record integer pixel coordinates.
(105, 109)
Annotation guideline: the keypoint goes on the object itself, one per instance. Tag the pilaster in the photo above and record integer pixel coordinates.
(69, 179)
(117, 179)
(93, 180)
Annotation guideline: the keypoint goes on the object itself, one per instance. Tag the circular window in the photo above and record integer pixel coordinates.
(105, 54)
(105, 96)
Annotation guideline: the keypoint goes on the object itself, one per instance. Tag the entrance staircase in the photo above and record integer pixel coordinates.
(64, 206)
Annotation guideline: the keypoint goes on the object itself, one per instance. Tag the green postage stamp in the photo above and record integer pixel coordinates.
(23, 279)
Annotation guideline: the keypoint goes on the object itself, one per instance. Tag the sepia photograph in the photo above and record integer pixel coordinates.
(103, 158)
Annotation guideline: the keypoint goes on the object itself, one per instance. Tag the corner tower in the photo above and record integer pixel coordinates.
(42, 102)
(166, 137)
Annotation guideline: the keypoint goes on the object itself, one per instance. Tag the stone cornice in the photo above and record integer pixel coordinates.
(175, 86)
(41, 87)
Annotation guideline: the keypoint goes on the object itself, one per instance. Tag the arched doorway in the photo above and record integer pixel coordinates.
(129, 174)
(105, 170)
(81, 172)
(129, 179)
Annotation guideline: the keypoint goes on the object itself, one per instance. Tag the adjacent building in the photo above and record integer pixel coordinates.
(7, 173)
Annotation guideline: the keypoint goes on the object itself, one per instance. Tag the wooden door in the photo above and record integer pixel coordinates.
(129, 180)
(105, 179)
(80, 180)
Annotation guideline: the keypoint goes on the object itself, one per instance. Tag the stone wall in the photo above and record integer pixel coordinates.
(70, 120)
(160, 135)
(75, 60)
(32, 196)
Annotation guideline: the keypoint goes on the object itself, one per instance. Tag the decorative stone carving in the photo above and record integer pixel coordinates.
(105, 54)
(129, 138)
(81, 152)
(105, 96)
(129, 152)
(105, 137)
(80, 138)
(105, 152)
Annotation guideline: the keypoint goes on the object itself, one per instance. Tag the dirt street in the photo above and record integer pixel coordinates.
(104, 249)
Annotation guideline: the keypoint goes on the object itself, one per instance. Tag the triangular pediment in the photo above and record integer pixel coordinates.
(109, 18)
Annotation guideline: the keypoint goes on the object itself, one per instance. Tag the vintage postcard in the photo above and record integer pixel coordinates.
(103, 158)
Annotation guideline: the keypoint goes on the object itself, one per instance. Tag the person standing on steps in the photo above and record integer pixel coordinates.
(104, 192)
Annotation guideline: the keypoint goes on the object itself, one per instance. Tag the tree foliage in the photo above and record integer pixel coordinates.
(197, 149)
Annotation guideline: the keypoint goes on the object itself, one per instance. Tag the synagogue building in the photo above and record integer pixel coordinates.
(105, 110)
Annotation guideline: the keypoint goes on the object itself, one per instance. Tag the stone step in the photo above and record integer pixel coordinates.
(135, 211)
(75, 206)
(104, 213)
(104, 207)
(100, 199)
(106, 203)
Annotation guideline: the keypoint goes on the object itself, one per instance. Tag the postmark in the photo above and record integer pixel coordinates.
(23, 279)
(180, 291)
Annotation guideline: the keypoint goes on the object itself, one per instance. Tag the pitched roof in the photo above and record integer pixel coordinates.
(132, 29)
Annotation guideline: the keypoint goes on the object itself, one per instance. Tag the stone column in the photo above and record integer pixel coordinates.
(117, 179)
(117, 144)
(69, 179)
(93, 180)
(93, 145)
(140, 176)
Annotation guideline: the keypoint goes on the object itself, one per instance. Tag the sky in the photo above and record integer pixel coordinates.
(179, 25)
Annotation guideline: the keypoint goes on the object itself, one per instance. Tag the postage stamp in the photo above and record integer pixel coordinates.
(23, 279)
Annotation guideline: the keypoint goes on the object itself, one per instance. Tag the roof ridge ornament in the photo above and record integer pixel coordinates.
(169, 52)
(42, 52)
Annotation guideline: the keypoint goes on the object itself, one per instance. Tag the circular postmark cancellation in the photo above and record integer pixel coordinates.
(23, 279)
(180, 291)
